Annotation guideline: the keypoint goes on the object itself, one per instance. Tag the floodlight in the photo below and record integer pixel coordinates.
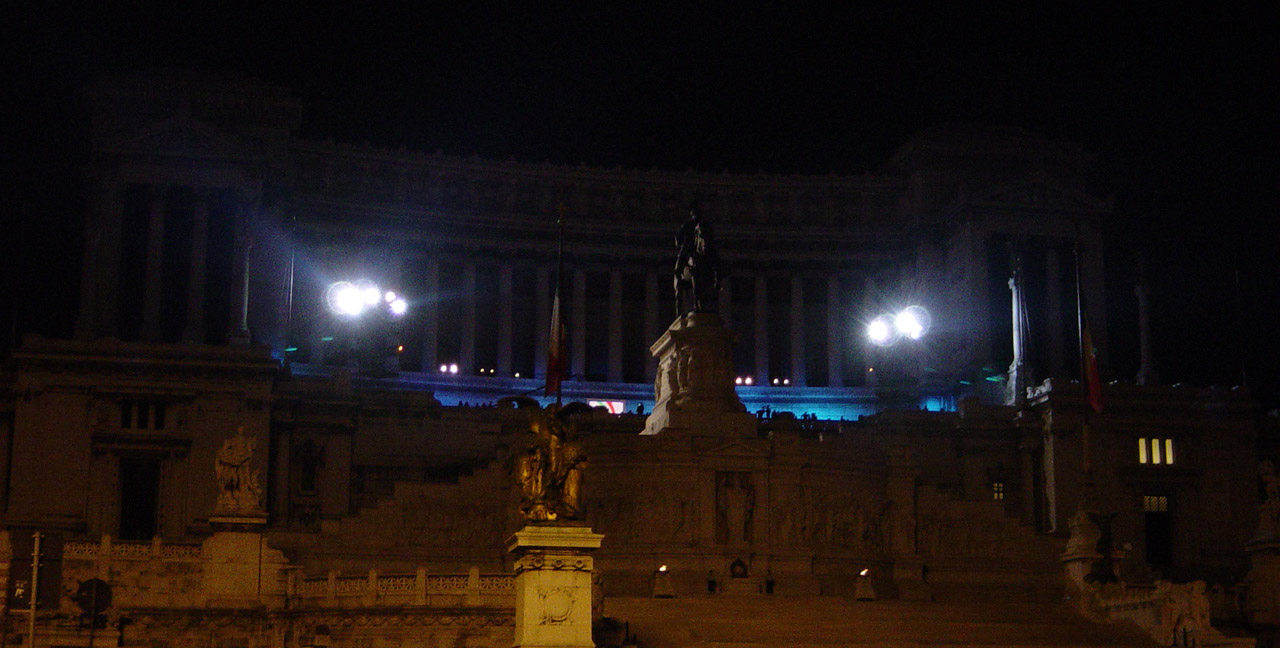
(453, 368)
(343, 298)
(749, 380)
(444, 368)
(390, 297)
(912, 322)
(398, 306)
(370, 293)
(882, 331)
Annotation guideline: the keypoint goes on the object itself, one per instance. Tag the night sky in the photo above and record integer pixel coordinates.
(1179, 104)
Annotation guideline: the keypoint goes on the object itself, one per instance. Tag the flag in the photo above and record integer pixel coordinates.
(555, 349)
(1089, 362)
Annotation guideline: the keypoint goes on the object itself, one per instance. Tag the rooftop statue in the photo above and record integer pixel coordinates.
(697, 272)
(238, 489)
(550, 468)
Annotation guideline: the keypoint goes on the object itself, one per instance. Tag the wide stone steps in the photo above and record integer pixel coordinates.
(827, 622)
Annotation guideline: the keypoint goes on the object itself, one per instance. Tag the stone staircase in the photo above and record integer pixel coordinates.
(829, 622)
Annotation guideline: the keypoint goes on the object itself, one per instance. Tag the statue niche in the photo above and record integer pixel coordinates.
(550, 467)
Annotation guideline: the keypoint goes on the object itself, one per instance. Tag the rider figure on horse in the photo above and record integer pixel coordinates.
(697, 272)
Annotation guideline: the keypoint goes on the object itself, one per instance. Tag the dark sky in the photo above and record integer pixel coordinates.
(1179, 103)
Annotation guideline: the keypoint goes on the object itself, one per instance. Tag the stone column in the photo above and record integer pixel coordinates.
(100, 275)
(725, 303)
(467, 348)
(835, 334)
(651, 331)
(194, 329)
(155, 265)
(431, 315)
(578, 358)
(797, 332)
(542, 306)
(762, 329)
(868, 349)
(553, 568)
(1092, 273)
(505, 323)
(1019, 369)
(238, 328)
(1053, 308)
(615, 326)
(1147, 366)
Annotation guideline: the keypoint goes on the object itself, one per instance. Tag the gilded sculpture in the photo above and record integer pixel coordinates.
(550, 466)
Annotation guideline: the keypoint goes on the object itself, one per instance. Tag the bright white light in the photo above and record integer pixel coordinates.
(343, 298)
(775, 381)
(912, 322)
(863, 572)
(517, 374)
(738, 380)
(881, 330)
(662, 568)
(749, 380)
(390, 297)
(786, 381)
(444, 368)
(453, 368)
(371, 295)
(399, 306)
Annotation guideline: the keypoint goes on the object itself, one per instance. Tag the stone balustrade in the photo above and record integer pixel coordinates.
(396, 590)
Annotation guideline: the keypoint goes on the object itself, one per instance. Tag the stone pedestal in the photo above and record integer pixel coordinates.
(240, 570)
(694, 390)
(1262, 601)
(553, 585)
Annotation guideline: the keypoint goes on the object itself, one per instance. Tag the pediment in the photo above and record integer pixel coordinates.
(1039, 193)
(185, 137)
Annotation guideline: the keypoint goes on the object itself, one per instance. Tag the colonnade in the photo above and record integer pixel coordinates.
(103, 284)
(610, 324)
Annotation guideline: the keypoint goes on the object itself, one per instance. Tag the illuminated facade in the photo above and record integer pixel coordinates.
(215, 233)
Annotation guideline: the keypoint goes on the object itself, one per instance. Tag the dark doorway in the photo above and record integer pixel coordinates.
(139, 498)
(1158, 522)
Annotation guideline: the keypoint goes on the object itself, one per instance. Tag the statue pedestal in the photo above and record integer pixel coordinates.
(694, 389)
(553, 585)
(1262, 601)
(240, 570)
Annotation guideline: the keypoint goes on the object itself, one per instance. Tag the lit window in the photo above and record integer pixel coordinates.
(997, 490)
(1155, 451)
(1155, 503)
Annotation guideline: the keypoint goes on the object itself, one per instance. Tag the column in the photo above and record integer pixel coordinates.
(238, 327)
(1092, 274)
(651, 332)
(542, 307)
(155, 260)
(725, 304)
(431, 315)
(762, 329)
(1147, 366)
(835, 334)
(797, 331)
(615, 326)
(974, 297)
(279, 504)
(868, 349)
(467, 350)
(1053, 308)
(505, 324)
(194, 329)
(101, 268)
(578, 359)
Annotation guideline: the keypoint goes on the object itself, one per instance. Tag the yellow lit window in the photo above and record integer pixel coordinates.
(1168, 451)
(1142, 450)
(997, 490)
(1155, 503)
(1155, 451)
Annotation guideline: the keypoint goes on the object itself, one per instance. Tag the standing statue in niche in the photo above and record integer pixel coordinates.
(550, 468)
(238, 490)
(697, 273)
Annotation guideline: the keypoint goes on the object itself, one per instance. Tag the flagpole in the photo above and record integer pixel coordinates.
(1087, 459)
(559, 279)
